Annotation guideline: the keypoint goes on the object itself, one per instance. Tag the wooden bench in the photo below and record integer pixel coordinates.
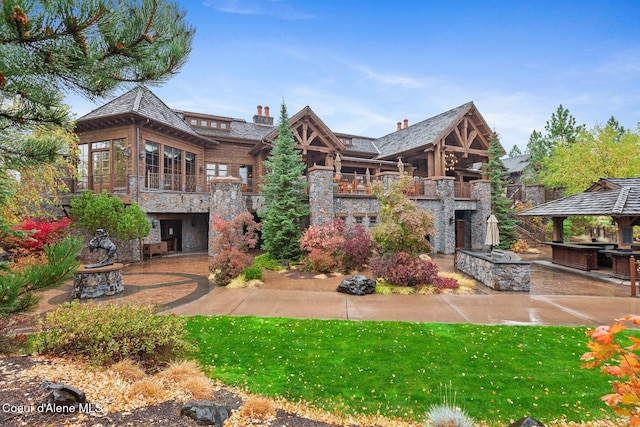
(151, 249)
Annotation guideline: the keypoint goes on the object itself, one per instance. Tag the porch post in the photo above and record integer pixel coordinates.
(558, 235)
(624, 232)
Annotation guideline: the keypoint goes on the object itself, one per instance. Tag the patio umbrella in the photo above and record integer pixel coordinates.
(493, 235)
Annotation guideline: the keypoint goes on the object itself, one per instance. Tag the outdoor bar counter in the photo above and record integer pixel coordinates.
(575, 255)
(620, 266)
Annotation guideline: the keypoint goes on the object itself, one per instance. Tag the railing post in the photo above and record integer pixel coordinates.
(632, 274)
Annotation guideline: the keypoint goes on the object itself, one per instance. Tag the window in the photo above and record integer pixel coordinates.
(194, 122)
(83, 167)
(172, 169)
(119, 164)
(216, 169)
(203, 123)
(190, 171)
(359, 219)
(223, 125)
(152, 165)
(373, 220)
(246, 175)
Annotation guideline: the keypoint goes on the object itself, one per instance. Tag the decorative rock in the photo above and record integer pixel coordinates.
(357, 285)
(206, 412)
(527, 422)
(60, 395)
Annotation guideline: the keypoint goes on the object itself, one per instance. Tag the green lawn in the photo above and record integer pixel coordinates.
(401, 369)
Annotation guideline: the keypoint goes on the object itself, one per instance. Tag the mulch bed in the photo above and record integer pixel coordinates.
(19, 398)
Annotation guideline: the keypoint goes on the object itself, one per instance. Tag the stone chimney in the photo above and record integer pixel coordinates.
(406, 123)
(399, 126)
(264, 120)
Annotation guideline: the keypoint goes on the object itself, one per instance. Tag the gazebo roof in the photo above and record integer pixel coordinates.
(621, 201)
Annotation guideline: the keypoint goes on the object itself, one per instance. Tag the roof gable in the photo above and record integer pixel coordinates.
(140, 102)
(473, 136)
(310, 133)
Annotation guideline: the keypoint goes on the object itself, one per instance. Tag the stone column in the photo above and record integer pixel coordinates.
(226, 202)
(321, 194)
(481, 193)
(445, 239)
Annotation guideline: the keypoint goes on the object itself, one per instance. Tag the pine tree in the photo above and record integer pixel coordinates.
(286, 208)
(500, 204)
(49, 47)
(515, 151)
(561, 130)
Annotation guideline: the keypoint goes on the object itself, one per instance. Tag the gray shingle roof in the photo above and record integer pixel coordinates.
(624, 201)
(142, 102)
(420, 134)
(516, 164)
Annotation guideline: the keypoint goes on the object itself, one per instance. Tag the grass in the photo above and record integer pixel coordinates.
(397, 369)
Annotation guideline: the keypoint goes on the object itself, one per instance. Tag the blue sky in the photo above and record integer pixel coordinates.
(364, 65)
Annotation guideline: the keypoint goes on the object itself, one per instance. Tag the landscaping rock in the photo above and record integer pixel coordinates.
(206, 412)
(357, 285)
(59, 396)
(526, 422)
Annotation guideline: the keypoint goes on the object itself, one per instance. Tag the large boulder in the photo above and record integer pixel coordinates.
(206, 412)
(357, 285)
(57, 395)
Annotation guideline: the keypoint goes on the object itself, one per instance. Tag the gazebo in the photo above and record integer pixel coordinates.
(618, 198)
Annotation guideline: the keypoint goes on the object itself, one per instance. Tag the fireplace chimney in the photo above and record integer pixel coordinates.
(399, 126)
(263, 119)
(406, 123)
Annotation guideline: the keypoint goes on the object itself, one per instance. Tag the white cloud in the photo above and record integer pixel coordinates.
(276, 9)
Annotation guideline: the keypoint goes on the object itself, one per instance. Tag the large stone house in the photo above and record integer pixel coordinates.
(183, 167)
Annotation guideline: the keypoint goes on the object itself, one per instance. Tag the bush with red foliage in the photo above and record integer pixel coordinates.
(403, 269)
(356, 248)
(41, 232)
(232, 243)
(330, 248)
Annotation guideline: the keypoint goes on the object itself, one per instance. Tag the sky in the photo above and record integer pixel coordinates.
(364, 65)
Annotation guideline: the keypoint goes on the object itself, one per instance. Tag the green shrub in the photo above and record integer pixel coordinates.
(265, 261)
(109, 333)
(252, 273)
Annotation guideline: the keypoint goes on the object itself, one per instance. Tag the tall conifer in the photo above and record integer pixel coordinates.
(500, 204)
(286, 207)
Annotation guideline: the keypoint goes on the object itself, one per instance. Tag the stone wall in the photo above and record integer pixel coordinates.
(498, 275)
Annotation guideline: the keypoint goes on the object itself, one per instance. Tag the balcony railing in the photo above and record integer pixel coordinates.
(172, 182)
(190, 184)
(462, 190)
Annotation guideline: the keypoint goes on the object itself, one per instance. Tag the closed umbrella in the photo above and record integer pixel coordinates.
(493, 235)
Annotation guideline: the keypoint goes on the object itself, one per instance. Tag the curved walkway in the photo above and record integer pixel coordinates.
(557, 297)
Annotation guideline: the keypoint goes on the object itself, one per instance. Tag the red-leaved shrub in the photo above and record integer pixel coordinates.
(41, 232)
(356, 248)
(330, 248)
(403, 269)
(232, 243)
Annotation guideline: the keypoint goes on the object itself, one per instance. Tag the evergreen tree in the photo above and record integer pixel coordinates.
(515, 151)
(561, 130)
(500, 204)
(286, 207)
